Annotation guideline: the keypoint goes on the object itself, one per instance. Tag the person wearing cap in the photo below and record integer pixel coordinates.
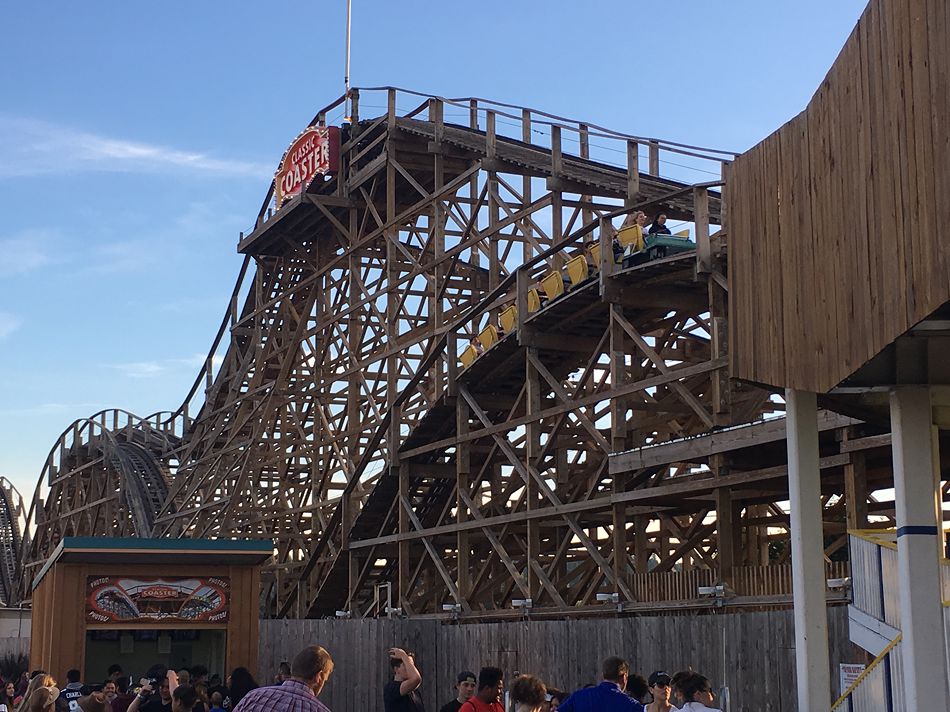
(491, 687)
(660, 684)
(555, 698)
(464, 688)
(608, 696)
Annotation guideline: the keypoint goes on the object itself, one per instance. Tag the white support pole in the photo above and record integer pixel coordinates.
(346, 66)
(916, 496)
(808, 553)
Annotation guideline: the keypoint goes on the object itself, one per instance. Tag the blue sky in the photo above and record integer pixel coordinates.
(137, 140)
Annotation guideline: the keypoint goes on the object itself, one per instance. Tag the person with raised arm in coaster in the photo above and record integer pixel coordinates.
(661, 686)
(464, 689)
(401, 694)
(491, 687)
(309, 672)
(608, 696)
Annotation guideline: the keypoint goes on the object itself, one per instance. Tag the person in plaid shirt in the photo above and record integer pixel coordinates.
(309, 673)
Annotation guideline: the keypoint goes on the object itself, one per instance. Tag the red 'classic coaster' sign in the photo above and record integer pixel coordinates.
(314, 152)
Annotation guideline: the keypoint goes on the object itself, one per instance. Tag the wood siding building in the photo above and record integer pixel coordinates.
(837, 222)
(62, 615)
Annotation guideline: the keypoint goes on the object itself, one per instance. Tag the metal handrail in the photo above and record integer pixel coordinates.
(867, 672)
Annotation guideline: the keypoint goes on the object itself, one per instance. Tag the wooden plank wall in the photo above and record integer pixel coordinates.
(837, 222)
(58, 624)
(772, 580)
(753, 652)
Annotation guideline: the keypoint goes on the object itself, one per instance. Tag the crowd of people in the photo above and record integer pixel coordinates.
(297, 687)
(161, 690)
(617, 691)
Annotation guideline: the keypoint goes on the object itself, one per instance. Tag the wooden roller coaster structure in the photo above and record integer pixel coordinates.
(589, 455)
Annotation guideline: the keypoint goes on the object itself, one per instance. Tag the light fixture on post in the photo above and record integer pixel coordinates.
(718, 593)
(392, 612)
(839, 584)
(613, 598)
(523, 604)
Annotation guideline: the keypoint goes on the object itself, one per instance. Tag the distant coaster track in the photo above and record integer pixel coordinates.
(12, 520)
(107, 475)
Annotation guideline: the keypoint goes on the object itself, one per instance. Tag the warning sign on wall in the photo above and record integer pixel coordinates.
(848, 674)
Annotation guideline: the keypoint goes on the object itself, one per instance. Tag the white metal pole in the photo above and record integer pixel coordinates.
(916, 497)
(808, 553)
(346, 71)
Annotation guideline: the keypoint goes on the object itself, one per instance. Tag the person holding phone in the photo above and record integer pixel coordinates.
(156, 693)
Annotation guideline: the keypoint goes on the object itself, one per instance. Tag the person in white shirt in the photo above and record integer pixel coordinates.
(697, 694)
(660, 685)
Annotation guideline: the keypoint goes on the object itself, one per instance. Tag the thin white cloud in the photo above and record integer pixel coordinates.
(8, 324)
(32, 147)
(197, 361)
(153, 369)
(25, 251)
(140, 369)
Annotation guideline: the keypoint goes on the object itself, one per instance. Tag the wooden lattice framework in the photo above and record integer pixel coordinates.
(334, 416)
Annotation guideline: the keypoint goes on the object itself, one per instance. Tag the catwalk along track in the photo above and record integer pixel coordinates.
(437, 392)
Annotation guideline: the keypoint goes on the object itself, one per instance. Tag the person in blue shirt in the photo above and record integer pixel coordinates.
(608, 696)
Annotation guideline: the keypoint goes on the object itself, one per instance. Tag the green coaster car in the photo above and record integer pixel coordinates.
(657, 246)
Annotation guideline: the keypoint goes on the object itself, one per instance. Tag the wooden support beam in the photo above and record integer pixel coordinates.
(633, 172)
(530, 473)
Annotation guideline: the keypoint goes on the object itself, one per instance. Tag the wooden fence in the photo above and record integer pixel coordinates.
(772, 580)
(750, 652)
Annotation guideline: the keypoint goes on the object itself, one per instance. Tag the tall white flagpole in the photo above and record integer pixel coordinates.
(346, 73)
